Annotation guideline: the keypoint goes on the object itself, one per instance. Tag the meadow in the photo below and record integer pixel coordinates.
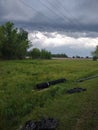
(20, 101)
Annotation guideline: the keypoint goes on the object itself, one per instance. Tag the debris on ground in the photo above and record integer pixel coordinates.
(29, 125)
(47, 84)
(76, 90)
(44, 124)
(88, 78)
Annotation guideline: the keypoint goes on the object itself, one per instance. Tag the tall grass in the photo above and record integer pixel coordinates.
(20, 101)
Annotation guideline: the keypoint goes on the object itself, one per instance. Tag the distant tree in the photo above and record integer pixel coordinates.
(87, 57)
(35, 53)
(60, 55)
(73, 57)
(13, 42)
(45, 54)
(95, 53)
(94, 58)
(77, 56)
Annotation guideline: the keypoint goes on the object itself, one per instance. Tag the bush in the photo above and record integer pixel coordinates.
(94, 58)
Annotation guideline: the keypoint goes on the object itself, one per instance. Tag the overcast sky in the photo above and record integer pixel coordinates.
(60, 26)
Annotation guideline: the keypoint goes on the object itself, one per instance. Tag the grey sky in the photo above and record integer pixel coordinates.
(77, 19)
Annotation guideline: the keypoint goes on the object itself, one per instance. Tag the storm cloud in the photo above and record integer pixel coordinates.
(57, 42)
(55, 24)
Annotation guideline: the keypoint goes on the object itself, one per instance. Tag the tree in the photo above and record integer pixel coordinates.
(13, 42)
(35, 53)
(95, 53)
(60, 55)
(45, 54)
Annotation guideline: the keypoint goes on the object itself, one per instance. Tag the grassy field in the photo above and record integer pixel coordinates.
(20, 101)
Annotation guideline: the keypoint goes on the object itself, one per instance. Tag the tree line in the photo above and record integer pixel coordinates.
(14, 44)
(36, 53)
(62, 55)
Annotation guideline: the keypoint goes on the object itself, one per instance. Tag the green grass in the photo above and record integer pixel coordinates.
(20, 101)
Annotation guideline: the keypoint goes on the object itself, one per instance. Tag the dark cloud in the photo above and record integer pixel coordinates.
(73, 20)
(69, 15)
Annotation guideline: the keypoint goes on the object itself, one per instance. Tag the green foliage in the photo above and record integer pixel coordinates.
(13, 42)
(60, 55)
(95, 58)
(45, 54)
(95, 53)
(37, 54)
